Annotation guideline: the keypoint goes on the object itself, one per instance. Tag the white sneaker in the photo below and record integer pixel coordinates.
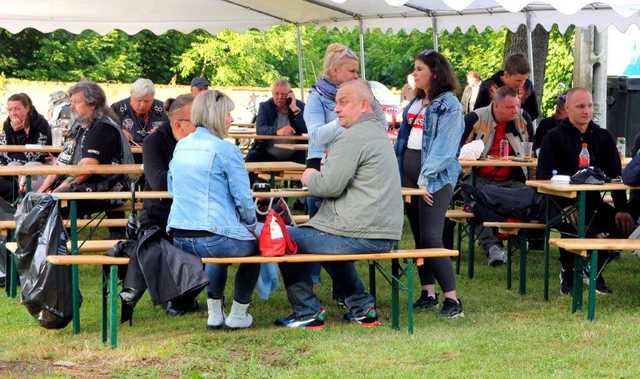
(497, 255)
(216, 314)
(238, 317)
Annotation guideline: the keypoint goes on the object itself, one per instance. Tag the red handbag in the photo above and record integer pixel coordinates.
(275, 240)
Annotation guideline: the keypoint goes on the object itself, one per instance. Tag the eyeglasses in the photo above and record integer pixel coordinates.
(219, 95)
(347, 53)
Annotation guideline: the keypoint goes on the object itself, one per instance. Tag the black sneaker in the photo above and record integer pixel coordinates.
(601, 286)
(313, 322)
(566, 281)
(451, 309)
(425, 301)
(367, 320)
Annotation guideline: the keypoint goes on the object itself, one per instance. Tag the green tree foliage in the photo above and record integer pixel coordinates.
(253, 58)
(559, 68)
(257, 58)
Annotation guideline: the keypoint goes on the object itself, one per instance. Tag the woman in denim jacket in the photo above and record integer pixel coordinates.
(427, 151)
(212, 214)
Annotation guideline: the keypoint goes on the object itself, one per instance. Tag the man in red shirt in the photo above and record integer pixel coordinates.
(503, 119)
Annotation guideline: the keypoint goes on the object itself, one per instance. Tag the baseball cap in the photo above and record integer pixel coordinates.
(199, 82)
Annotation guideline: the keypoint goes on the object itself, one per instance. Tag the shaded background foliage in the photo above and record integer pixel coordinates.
(256, 58)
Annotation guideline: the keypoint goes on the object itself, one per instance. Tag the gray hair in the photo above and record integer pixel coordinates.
(209, 110)
(178, 103)
(362, 90)
(504, 92)
(94, 96)
(280, 82)
(142, 87)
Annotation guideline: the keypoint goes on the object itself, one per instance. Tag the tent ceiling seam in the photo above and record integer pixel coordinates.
(259, 11)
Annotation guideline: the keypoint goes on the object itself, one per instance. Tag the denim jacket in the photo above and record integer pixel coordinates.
(210, 187)
(444, 127)
(318, 112)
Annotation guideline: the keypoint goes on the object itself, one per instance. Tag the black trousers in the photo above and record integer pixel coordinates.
(427, 225)
(602, 221)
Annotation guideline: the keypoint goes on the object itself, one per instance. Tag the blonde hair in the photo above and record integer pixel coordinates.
(335, 55)
(209, 110)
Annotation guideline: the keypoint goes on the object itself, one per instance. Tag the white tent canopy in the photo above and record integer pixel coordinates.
(160, 16)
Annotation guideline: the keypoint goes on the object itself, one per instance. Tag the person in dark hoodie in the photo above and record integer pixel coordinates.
(157, 153)
(23, 126)
(559, 155)
(515, 75)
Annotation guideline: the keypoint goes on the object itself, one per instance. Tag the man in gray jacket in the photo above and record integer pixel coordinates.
(361, 212)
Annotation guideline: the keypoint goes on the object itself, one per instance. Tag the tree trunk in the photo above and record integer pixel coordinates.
(517, 43)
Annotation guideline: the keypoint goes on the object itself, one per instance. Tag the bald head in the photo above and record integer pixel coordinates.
(579, 107)
(353, 99)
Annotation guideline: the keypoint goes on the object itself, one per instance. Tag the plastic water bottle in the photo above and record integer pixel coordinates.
(504, 149)
(583, 158)
(57, 136)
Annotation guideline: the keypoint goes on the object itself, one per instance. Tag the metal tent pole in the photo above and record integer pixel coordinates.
(363, 73)
(434, 30)
(300, 63)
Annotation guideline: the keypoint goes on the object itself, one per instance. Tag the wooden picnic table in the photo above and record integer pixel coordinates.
(46, 149)
(292, 146)
(254, 136)
(129, 169)
(495, 162)
(572, 191)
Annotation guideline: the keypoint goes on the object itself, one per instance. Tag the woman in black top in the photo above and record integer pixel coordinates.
(23, 126)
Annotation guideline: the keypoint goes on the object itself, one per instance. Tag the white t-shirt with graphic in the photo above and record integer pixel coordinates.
(415, 117)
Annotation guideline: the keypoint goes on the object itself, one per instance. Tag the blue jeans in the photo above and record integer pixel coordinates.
(297, 276)
(313, 203)
(217, 246)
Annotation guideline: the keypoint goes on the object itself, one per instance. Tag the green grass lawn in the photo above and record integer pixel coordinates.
(503, 334)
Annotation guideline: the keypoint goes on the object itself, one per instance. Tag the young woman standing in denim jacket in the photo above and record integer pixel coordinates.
(212, 214)
(427, 151)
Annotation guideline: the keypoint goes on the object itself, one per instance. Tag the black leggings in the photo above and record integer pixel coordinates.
(427, 225)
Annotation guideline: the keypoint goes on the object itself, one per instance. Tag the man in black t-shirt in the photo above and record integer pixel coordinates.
(515, 75)
(98, 140)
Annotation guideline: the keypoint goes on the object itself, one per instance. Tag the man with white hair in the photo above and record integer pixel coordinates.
(362, 211)
(140, 114)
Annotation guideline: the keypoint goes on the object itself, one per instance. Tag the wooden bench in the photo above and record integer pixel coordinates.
(408, 255)
(516, 233)
(581, 248)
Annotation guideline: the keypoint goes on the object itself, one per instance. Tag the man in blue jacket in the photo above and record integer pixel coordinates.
(279, 116)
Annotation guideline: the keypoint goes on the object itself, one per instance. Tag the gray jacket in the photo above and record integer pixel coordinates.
(360, 185)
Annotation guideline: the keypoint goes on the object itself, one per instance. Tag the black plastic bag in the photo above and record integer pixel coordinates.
(46, 288)
(492, 202)
(158, 266)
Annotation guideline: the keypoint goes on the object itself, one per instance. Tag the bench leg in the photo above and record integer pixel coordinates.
(547, 231)
(113, 306)
(509, 263)
(459, 245)
(103, 318)
(593, 272)
(523, 262)
(395, 294)
(409, 275)
(75, 280)
(7, 277)
(13, 278)
(471, 246)
(577, 284)
(372, 279)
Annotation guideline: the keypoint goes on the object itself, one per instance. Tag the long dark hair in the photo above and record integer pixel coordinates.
(444, 78)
